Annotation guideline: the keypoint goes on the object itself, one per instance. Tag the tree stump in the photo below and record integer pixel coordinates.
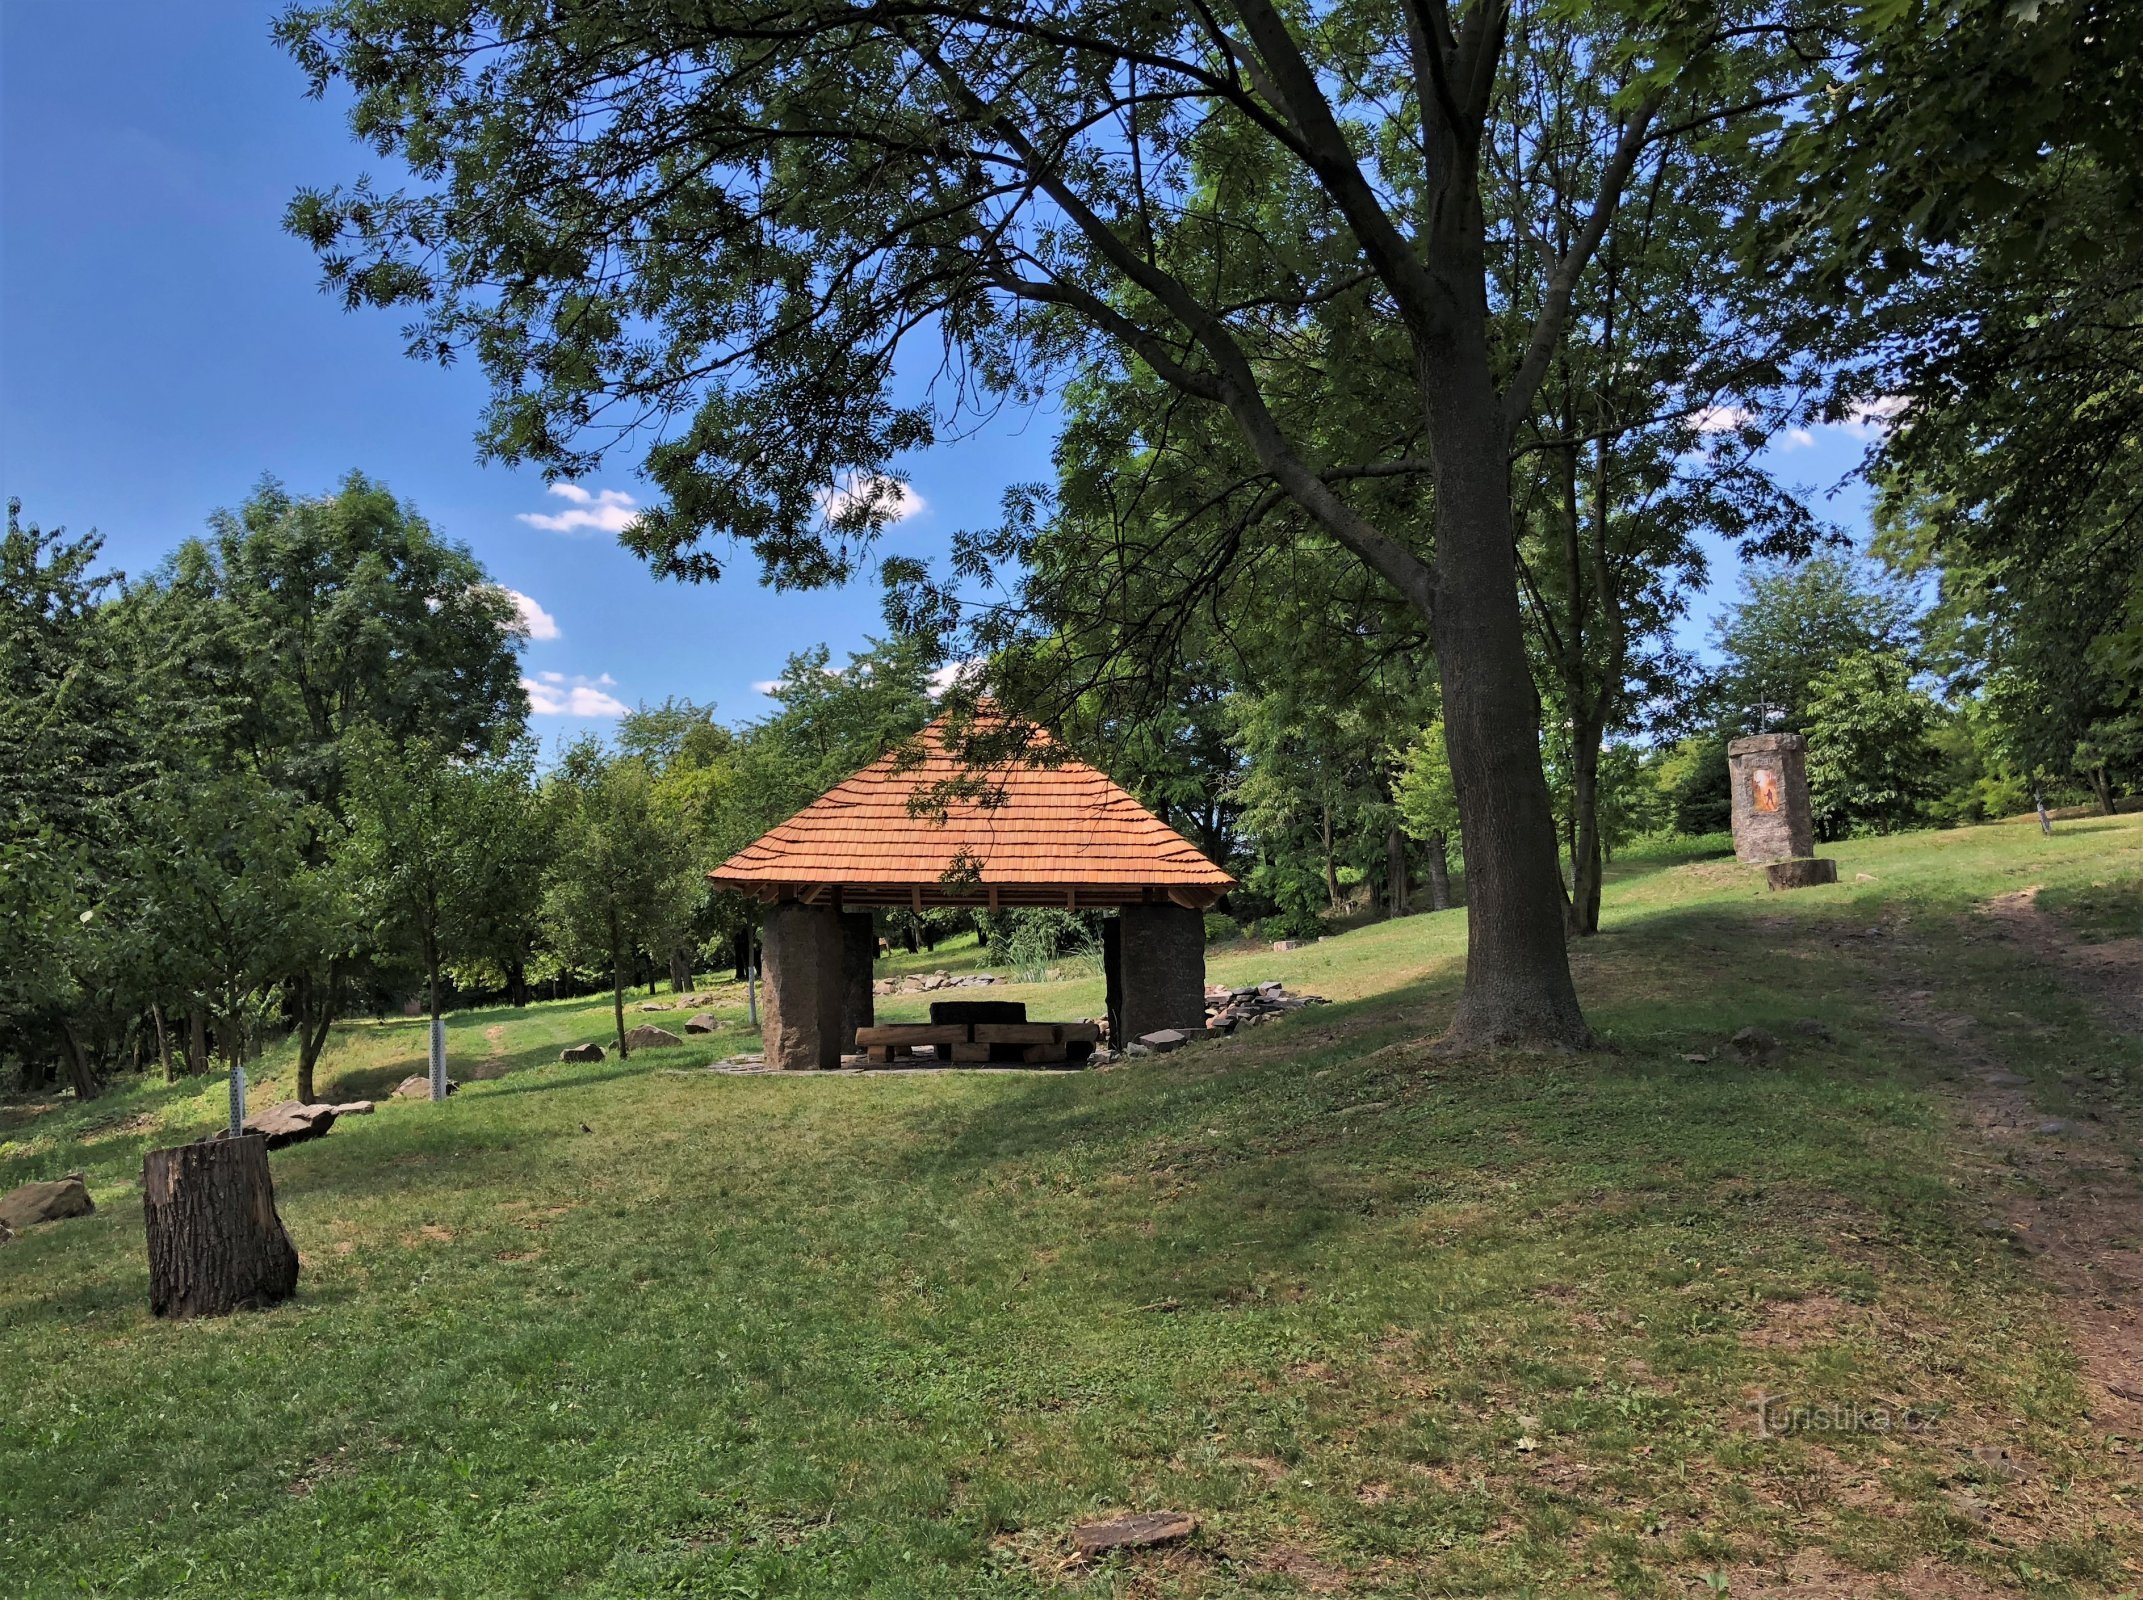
(215, 1241)
(1803, 872)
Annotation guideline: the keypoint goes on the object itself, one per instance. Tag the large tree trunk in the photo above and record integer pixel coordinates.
(1331, 866)
(316, 1019)
(2102, 786)
(517, 982)
(215, 1241)
(197, 1041)
(1439, 872)
(617, 987)
(1587, 861)
(1518, 990)
(79, 1071)
(680, 970)
(1395, 868)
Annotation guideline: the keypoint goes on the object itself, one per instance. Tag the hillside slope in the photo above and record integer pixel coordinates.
(1387, 1323)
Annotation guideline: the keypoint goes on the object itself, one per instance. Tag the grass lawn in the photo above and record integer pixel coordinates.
(1387, 1323)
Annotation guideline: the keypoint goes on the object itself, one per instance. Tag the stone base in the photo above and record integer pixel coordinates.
(1159, 971)
(1805, 873)
(803, 1006)
(859, 952)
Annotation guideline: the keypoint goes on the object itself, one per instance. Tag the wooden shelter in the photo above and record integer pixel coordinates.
(1043, 830)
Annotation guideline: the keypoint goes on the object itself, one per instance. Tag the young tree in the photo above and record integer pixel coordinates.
(71, 760)
(1871, 764)
(623, 877)
(222, 861)
(737, 213)
(1791, 626)
(300, 623)
(437, 850)
(1428, 801)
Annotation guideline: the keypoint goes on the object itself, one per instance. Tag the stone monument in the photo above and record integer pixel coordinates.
(1772, 822)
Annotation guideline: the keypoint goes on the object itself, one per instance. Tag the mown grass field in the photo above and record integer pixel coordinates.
(1387, 1323)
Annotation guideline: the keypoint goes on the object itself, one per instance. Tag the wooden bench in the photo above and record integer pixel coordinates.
(1033, 1043)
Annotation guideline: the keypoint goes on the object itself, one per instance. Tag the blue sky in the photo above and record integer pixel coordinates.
(163, 343)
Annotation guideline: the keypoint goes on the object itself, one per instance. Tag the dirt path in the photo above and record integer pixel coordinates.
(2063, 1184)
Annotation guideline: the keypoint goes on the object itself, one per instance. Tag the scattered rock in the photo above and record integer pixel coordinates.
(2004, 1080)
(1698, 1057)
(1280, 946)
(1754, 1045)
(1134, 1048)
(1229, 1009)
(291, 1122)
(927, 983)
(353, 1108)
(1995, 1462)
(54, 1200)
(756, 1059)
(705, 1022)
(649, 1037)
(1164, 1039)
(1138, 1532)
(419, 1087)
(2052, 1125)
(1813, 1028)
(581, 1052)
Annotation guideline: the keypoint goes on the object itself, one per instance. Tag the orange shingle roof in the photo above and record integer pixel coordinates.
(1042, 833)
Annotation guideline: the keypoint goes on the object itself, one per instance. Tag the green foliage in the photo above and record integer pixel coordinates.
(1794, 624)
(1424, 794)
(1030, 940)
(1871, 764)
(445, 855)
(1039, 1288)
(1698, 784)
(622, 874)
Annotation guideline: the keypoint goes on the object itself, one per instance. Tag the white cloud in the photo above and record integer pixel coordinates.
(766, 686)
(948, 675)
(553, 694)
(1719, 419)
(535, 621)
(895, 500)
(1798, 439)
(1871, 419)
(607, 510)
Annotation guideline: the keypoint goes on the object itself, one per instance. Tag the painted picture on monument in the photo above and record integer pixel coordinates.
(1763, 789)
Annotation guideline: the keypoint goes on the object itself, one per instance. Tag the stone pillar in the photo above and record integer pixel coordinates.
(1772, 821)
(859, 950)
(805, 1002)
(1161, 969)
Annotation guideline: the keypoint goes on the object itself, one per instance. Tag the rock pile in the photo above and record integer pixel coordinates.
(581, 1052)
(705, 1022)
(1229, 1009)
(925, 983)
(649, 1037)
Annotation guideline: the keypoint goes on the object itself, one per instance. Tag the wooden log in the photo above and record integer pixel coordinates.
(1046, 1055)
(912, 1033)
(1079, 1032)
(968, 1052)
(215, 1241)
(1016, 1033)
(878, 1055)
